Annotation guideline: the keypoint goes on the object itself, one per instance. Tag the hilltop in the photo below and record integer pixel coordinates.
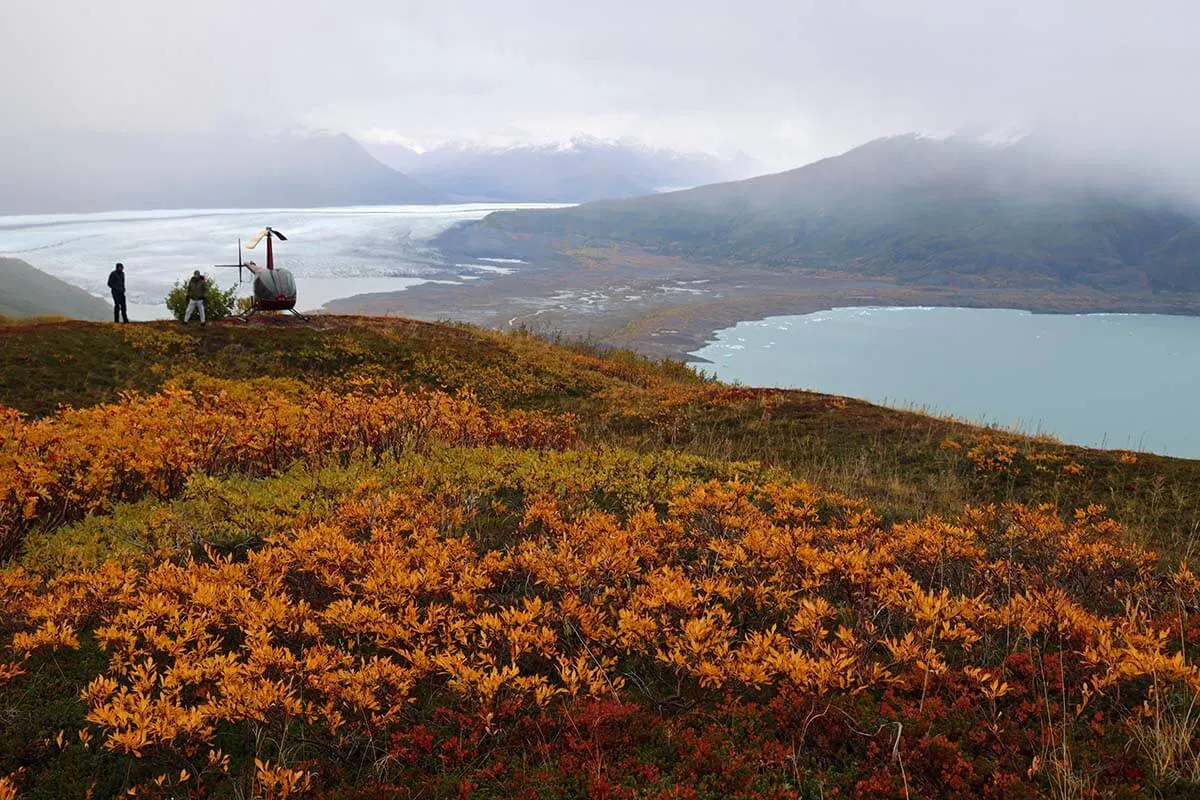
(28, 292)
(378, 557)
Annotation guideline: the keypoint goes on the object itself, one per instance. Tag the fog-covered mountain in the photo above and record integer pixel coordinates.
(935, 211)
(582, 169)
(102, 172)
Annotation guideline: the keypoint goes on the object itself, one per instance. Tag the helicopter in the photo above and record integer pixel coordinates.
(274, 287)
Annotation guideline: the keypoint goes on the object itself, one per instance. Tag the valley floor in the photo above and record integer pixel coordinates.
(666, 307)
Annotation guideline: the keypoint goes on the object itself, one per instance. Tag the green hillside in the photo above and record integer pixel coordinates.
(365, 558)
(919, 210)
(29, 292)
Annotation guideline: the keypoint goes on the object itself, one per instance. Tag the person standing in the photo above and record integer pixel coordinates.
(197, 293)
(116, 284)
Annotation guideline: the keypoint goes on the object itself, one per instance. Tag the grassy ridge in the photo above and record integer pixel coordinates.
(76, 364)
(906, 464)
(379, 558)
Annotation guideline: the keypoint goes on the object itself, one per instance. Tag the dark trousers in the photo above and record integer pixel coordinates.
(119, 312)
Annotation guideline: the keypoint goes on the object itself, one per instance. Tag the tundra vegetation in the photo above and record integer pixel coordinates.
(378, 558)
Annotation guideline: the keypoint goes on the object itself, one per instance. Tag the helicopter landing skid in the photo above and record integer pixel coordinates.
(245, 316)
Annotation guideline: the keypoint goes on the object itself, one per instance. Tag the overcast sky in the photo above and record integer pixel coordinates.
(786, 81)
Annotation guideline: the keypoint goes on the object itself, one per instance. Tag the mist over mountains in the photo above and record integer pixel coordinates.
(581, 169)
(102, 172)
(958, 211)
(953, 211)
(75, 173)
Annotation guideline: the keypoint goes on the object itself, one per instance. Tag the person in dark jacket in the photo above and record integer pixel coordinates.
(197, 293)
(116, 283)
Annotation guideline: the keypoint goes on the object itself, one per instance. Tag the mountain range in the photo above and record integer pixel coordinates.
(102, 172)
(77, 173)
(954, 211)
(581, 169)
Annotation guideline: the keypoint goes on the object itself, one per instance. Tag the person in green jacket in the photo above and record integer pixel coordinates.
(197, 293)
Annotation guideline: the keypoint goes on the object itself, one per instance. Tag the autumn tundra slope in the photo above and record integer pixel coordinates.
(379, 558)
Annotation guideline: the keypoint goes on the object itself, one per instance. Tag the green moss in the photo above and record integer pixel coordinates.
(43, 704)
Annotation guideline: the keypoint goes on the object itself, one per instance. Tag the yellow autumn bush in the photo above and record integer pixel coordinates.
(78, 461)
(272, 587)
(349, 626)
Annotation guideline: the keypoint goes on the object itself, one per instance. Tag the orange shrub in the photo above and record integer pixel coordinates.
(79, 461)
(352, 628)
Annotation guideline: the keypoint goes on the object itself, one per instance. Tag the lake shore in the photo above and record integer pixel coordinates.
(666, 307)
(1092, 380)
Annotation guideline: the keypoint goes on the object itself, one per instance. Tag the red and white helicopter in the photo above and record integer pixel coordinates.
(274, 287)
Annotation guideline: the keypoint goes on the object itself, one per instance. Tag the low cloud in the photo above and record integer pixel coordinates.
(786, 81)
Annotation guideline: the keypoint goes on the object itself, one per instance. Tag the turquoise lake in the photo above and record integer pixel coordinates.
(1118, 381)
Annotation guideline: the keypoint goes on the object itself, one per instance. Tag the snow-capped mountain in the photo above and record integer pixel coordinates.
(575, 170)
